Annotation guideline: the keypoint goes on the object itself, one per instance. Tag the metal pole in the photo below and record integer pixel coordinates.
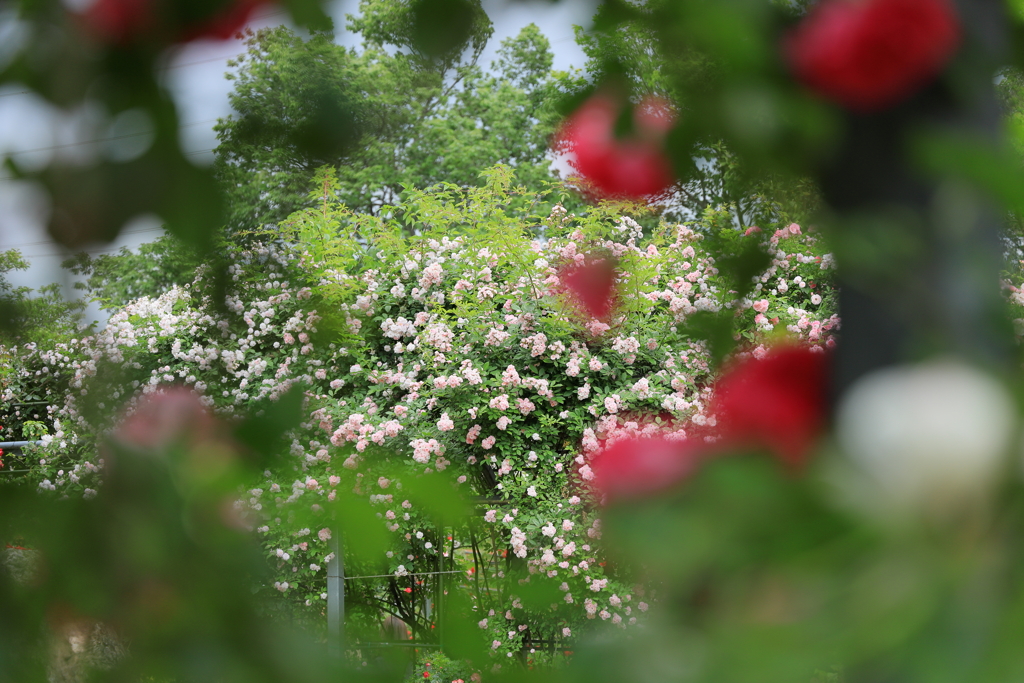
(441, 580)
(336, 596)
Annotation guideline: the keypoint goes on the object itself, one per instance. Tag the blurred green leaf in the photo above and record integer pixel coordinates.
(994, 170)
(435, 494)
(365, 537)
(714, 328)
(265, 428)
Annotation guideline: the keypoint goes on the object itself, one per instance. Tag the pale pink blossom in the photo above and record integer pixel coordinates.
(510, 376)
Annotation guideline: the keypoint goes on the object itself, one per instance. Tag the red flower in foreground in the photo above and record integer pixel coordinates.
(636, 467)
(127, 21)
(119, 21)
(870, 55)
(226, 23)
(777, 402)
(632, 168)
(592, 286)
(166, 418)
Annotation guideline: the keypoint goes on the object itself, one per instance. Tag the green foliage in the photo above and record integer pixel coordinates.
(436, 33)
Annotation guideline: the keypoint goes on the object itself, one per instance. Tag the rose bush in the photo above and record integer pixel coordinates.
(456, 357)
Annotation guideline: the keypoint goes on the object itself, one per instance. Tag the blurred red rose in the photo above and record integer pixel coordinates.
(128, 21)
(777, 402)
(635, 167)
(592, 286)
(166, 418)
(870, 55)
(120, 21)
(632, 468)
(224, 24)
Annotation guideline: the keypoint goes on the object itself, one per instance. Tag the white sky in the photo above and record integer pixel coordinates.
(30, 128)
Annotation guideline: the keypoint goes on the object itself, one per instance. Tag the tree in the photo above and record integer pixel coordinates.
(390, 116)
(44, 318)
(115, 279)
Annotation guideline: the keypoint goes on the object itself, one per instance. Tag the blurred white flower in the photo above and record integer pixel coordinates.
(931, 435)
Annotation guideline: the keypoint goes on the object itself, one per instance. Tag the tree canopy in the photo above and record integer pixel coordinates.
(390, 115)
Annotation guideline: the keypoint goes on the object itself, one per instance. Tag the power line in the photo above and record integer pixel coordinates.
(184, 154)
(66, 254)
(38, 242)
(98, 140)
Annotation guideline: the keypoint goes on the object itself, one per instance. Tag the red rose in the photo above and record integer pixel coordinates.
(592, 285)
(633, 468)
(128, 21)
(166, 418)
(632, 168)
(777, 402)
(119, 21)
(870, 55)
(226, 23)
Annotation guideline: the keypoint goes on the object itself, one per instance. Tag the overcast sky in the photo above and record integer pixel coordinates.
(30, 128)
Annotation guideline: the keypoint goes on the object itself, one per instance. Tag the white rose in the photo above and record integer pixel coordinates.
(932, 436)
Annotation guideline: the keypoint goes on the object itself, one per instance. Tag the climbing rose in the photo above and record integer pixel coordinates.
(633, 167)
(871, 55)
(776, 402)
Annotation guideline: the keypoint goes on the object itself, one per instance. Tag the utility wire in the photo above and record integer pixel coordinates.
(99, 140)
(185, 154)
(394, 576)
(38, 242)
